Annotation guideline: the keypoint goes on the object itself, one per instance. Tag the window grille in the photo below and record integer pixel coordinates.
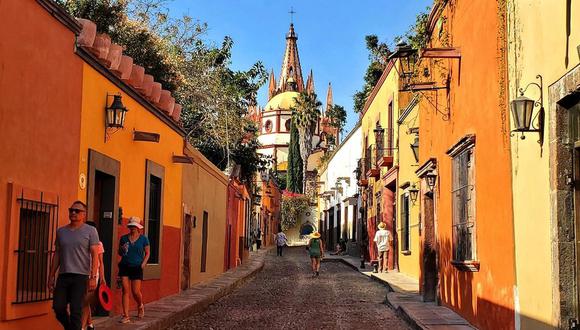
(463, 193)
(38, 223)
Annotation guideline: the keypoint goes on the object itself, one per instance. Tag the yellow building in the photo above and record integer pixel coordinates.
(204, 224)
(379, 170)
(130, 172)
(408, 222)
(543, 48)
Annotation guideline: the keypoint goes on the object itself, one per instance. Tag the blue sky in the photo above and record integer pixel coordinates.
(330, 36)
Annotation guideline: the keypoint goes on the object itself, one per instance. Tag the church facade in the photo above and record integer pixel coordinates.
(274, 119)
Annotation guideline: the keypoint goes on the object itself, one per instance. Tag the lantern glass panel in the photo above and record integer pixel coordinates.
(119, 117)
(110, 117)
(522, 109)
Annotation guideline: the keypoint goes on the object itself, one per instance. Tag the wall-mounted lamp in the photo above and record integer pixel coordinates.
(114, 113)
(431, 179)
(522, 112)
(415, 148)
(413, 193)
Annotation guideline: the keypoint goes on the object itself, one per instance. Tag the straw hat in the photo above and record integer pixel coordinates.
(315, 234)
(382, 225)
(135, 222)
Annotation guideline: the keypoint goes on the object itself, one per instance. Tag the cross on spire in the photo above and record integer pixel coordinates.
(291, 12)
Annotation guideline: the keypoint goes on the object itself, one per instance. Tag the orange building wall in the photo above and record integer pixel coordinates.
(133, 156)
(40, 92)
(477, 105)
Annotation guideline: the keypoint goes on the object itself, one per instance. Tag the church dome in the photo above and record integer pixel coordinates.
(282, 101)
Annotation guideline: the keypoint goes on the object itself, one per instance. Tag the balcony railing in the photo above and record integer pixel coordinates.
(361, 175)
(372, 169)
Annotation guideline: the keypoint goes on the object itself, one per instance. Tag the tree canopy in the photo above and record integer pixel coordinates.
(214, 97)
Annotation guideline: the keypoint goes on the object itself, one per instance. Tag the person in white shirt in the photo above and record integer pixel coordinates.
(383, 240)
(281, 241)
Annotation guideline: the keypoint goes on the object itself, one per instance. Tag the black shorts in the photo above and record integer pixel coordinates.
(132, 272)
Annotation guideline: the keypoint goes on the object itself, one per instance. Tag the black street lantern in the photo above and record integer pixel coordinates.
(407, 55)
(379, 133)
(413, 193)
(115, 113)
(522, 109)
(431, 180)
(415, 148)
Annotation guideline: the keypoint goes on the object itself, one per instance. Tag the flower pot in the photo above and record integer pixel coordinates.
(170, 106)
(136, 78)
(115, 55)
(147, 85)
(155, 92)
(125, 67)
(87, 36)
(176, 112)
(164, 100)
(101, 46)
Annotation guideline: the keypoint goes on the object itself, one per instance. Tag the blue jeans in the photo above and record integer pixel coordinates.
(70, 290)
(279, 250)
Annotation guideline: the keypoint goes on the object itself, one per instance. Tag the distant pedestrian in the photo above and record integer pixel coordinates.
(92, 296)
(75, 258)
(258, 239)
(134, 252)
(281, 241)
(383, 239)
(316, 251)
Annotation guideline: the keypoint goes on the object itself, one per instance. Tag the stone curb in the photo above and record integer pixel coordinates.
(168, 311)
(400, 310)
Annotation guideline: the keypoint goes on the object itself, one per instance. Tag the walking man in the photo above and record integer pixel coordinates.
(76, 259)
(281, 241)
(382, 239)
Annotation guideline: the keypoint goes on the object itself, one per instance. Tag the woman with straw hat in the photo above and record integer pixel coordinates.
(382, 239)
(316, 250)
(134, 252)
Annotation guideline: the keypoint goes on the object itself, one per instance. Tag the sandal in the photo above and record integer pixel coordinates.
(141, 312)
(125, 319)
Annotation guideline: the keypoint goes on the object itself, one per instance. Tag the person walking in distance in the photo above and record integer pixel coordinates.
(76, 259)
(258, 239)
(281, 241)
(382, 240)
(316, 251)
(134, 252)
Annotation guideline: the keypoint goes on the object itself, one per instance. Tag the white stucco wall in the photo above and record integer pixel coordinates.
(342, 165)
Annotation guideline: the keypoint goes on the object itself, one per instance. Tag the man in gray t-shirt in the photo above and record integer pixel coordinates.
(76, 249)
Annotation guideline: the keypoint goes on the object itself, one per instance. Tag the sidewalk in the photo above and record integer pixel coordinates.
(404, 297)
(167, 311)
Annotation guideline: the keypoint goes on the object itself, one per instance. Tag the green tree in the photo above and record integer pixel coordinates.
(305, 113)
(378, 54)
(214, 97)
(294, 173)
(337, 116)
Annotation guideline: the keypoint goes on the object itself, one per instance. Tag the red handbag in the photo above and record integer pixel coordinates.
(105, 297)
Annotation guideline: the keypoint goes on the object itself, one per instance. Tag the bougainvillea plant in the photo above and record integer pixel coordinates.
(292, 207)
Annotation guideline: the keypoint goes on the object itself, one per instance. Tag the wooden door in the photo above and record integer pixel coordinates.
(186, 266)
(429, 283)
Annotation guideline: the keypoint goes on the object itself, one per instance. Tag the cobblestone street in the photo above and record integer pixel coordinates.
(286, 296)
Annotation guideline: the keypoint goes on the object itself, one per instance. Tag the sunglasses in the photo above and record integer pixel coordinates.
(75, 211)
